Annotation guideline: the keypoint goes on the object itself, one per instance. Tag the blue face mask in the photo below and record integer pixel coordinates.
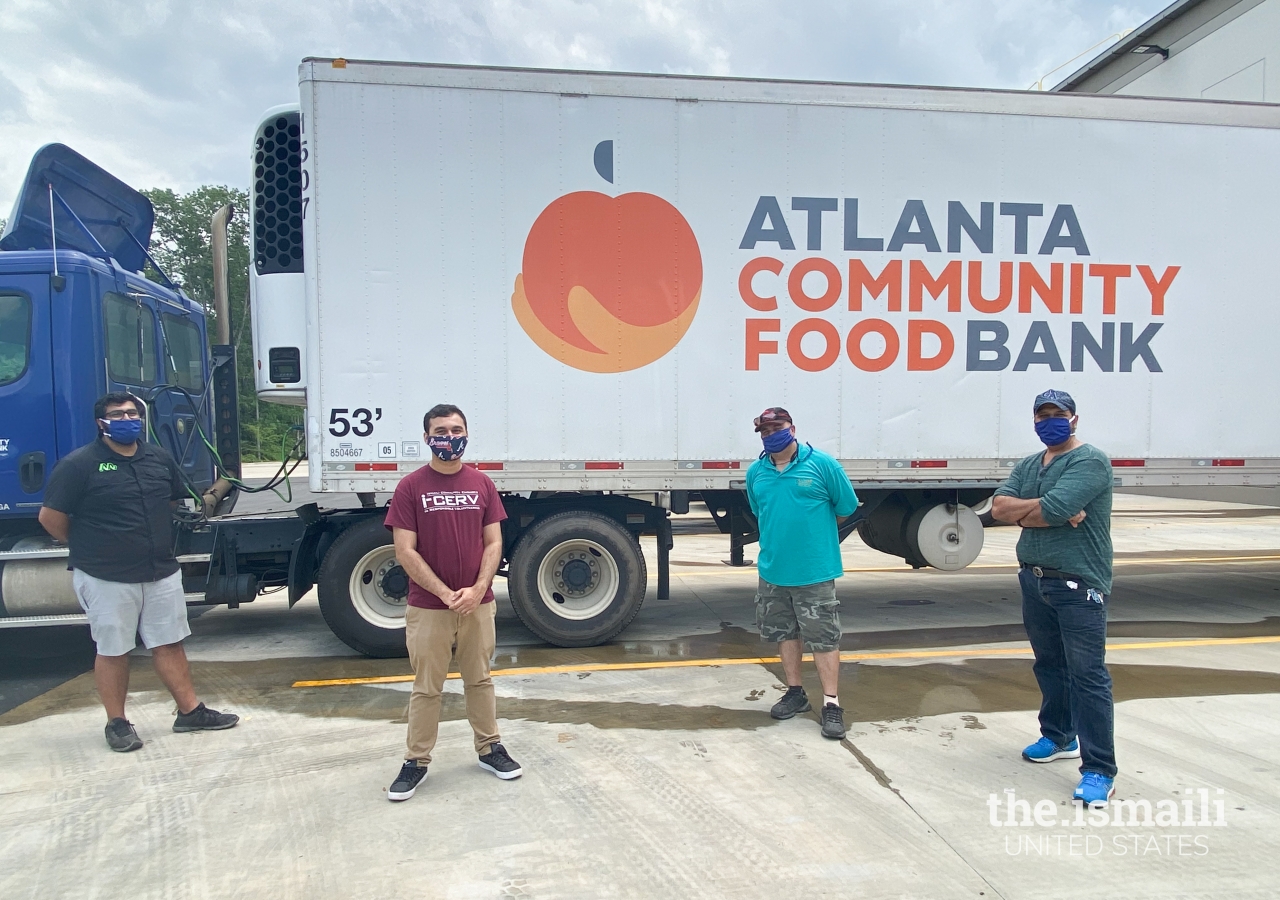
(447, 447)
(123, 431)
(1054, 431)
(778, 441)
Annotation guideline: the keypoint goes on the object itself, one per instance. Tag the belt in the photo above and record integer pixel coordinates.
(1045, 572)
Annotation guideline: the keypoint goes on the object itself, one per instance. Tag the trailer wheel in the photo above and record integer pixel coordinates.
(577, 579)
(362, 590)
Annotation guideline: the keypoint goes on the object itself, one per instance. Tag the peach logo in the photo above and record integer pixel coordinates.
(608, 284)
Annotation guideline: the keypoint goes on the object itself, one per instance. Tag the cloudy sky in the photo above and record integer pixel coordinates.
(166, 93)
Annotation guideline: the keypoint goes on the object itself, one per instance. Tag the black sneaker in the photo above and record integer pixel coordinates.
(202, 718)
(793, 701)
(832, 721)
(407, 781)
(500, 763)
(121, 737)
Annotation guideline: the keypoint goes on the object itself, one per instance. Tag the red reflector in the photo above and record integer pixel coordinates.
(383, 467)
(489, 467)
(928, 463)
(720, 464)
(604, 465)
(364, 467)
(1228, 462)
(1128, 463)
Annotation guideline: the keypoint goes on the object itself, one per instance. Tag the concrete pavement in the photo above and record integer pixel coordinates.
(673, 780)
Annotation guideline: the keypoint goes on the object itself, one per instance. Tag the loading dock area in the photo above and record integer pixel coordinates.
(652, 767)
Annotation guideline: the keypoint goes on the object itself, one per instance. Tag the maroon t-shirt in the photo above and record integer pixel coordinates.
(448, 513)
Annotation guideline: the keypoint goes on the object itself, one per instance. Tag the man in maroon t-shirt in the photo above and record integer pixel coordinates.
(446, 519)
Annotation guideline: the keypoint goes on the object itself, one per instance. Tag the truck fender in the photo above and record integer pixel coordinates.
(304, 561)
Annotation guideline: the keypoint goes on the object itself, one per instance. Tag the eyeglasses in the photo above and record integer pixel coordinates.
(117, 415)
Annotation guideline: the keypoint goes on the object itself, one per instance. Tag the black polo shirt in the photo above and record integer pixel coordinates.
(121, 517)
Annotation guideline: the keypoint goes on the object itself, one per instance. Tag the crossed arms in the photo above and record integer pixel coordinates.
(466, 600)
(1063, 505)
(1027, 513)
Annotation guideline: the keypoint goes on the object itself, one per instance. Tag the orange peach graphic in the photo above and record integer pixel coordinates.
(608, 284)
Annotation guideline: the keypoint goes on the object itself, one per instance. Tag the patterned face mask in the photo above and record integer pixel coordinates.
(447, 447)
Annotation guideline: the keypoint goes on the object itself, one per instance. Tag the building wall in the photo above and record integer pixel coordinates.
(1238, 61)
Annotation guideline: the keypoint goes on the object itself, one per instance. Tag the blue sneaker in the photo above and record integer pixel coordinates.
(1045, 750)
(1094, 790)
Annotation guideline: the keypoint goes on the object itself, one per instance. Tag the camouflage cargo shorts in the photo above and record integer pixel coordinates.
(809, 611)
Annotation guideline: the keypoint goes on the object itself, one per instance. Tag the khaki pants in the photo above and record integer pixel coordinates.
(432, 635)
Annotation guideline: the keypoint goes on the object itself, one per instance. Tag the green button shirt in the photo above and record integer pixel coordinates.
(797, 510)
(1077, 480)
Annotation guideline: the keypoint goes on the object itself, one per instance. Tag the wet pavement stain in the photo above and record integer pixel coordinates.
(872, 769)
(735, 641)
(869, 693)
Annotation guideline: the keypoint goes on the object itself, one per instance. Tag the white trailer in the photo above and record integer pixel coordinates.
(612, 274)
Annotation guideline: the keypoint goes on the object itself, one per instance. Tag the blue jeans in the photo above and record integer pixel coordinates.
(1067, 628)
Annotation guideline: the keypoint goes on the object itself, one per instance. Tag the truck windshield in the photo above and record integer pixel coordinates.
(15, 335)
(131, 340)
(183, 362)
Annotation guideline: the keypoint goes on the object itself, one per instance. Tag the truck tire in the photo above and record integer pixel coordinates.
(577, 579)
(362, 590)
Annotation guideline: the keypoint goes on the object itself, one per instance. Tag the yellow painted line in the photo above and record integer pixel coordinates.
(769, 660)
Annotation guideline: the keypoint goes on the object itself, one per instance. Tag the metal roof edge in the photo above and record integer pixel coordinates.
(1166, 18)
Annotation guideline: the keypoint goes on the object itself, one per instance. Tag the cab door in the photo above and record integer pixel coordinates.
(28, 436)
(151, 350)
(180, 415)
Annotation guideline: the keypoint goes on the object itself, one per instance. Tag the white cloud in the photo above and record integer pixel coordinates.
(165, 93)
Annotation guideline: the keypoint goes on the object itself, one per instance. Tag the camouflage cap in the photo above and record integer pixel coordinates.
(773, 414)
(1060, 399)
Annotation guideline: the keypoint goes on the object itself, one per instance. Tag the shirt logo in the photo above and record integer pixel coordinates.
(451, 500)
(804, 482)
(107, 467)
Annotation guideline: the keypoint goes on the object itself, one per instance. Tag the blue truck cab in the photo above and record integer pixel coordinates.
(81, 320)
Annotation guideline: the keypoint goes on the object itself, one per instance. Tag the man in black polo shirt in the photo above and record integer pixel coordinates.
(112, 502)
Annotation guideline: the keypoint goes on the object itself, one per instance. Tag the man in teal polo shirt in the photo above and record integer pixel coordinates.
(798, 494)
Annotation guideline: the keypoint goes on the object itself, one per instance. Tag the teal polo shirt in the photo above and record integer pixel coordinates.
(797, 510)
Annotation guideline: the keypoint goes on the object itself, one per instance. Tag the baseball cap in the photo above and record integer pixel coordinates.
(1060, 399)
(773, 414)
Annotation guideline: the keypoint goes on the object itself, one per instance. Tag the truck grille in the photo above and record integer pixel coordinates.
(277, 196)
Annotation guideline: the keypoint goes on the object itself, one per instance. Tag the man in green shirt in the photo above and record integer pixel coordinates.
(1062, 499)
(798, 494)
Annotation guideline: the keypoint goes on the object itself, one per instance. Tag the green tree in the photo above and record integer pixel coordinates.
(181, 243)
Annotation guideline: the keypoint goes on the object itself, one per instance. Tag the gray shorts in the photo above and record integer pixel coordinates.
(809, 611)
(117, 612)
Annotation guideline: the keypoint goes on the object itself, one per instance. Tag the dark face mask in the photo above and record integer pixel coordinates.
(1054, 431)
(447, 447)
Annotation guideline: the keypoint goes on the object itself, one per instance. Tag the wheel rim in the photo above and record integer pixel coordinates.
(368, 590)
(578, 579)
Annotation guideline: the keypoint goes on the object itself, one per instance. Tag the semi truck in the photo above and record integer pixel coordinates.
(612, 274)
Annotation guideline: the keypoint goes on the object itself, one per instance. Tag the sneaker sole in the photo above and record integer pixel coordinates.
(505, 776)
(834, 737)
(1061, 754)
(1096, 804)
(395, 797)
(136, 745)
(791, 715)
(187, 729)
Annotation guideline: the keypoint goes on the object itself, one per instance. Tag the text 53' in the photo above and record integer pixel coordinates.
(358, 422)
